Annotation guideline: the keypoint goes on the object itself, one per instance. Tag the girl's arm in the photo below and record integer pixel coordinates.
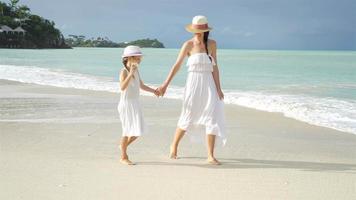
(175, 68)
(215, 72)
(147, 88)
(125, 78)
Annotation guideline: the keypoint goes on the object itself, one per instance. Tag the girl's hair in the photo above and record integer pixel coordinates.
(124, 61)
(206, 37)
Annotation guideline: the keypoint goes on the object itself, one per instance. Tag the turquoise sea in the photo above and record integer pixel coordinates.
(317, 87)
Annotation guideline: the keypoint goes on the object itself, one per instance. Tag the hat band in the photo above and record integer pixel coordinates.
(200, 26)
(134, 53)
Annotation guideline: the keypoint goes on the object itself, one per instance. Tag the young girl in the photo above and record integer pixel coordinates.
(129, 107)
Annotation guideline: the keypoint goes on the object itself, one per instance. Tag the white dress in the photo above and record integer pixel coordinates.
(130, 109)
(202, 107)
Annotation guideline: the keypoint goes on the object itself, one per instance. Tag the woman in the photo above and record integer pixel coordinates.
(203, 97)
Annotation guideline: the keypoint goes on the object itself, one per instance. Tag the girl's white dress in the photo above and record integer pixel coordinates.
(201, 104)
(130, 109)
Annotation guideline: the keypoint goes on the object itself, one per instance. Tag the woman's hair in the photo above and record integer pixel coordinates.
(206, 37)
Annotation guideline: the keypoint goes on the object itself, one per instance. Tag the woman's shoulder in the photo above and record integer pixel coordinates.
(187, 46)
(188, 43)
(211, 42)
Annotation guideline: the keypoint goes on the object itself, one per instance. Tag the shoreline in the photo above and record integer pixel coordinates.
(229, 108)
(228, 49)
(230, 99)
(69, 150)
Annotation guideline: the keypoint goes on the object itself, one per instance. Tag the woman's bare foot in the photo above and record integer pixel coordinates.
(126, 161)
(213, 161)
(173, 153)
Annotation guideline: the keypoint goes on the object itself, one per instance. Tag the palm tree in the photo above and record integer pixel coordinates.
(13, 4)
(23, 12)
(1, 9)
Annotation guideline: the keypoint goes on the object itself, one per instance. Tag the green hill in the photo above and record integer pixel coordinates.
(21, 29)
(81, 41)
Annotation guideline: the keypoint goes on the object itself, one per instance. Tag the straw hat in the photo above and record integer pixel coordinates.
(132, 51)
(199, 25)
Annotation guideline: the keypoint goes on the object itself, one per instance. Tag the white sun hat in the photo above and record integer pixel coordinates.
(132, 51)
(199, 25)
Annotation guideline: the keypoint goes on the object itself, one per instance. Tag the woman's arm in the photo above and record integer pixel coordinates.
(175, 68)
(215, 72)
(125, 78)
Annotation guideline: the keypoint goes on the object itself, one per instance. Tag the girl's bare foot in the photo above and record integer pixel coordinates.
(126, 161)
(213, 161)
(173, 153)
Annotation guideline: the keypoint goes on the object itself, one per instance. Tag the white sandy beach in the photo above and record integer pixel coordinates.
(58, 143)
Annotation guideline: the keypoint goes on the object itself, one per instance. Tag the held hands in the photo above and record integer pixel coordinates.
(157, 93)
(161, 90)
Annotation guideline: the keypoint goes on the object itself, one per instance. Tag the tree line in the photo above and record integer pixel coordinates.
(39, 32)
(82, 41)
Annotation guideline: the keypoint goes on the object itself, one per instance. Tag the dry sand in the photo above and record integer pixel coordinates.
(58, 143)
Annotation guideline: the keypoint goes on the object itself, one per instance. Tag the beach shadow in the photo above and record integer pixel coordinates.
(231, 163)
(174, 163)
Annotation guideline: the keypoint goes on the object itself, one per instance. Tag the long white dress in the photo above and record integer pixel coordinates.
(202, 107)
(130, 109)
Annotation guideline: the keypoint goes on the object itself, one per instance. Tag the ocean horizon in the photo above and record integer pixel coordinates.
(317, 87)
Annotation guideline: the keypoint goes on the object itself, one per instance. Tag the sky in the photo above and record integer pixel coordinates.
(237, 24)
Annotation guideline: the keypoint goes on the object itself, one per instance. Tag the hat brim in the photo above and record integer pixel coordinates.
(138, 54)
(190, 28)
